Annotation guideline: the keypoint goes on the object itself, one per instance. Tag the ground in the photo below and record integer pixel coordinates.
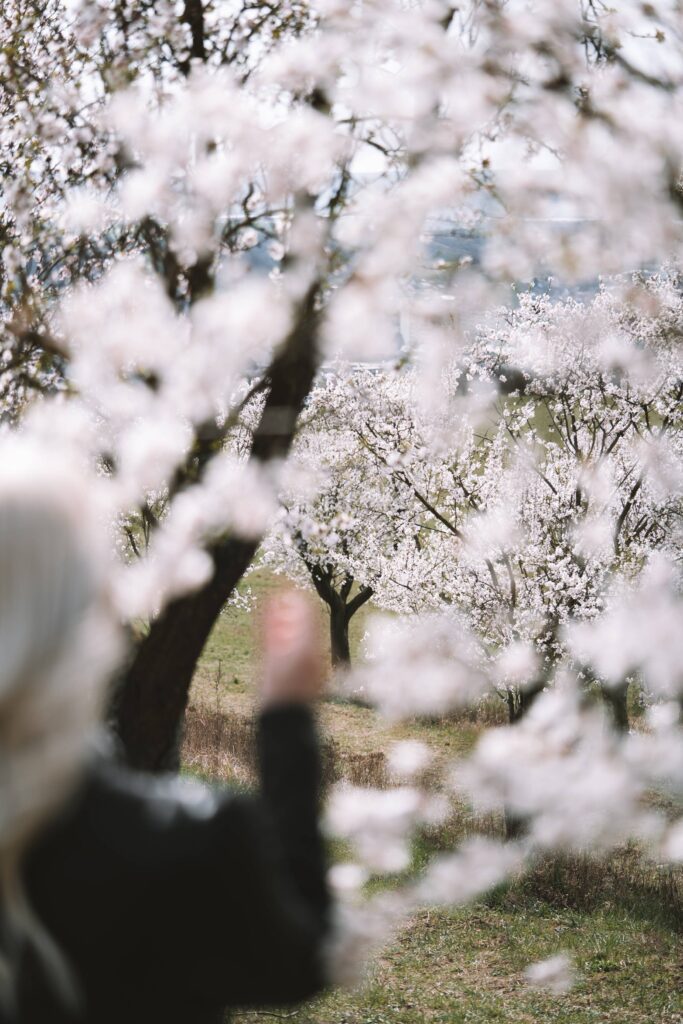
(620, 920)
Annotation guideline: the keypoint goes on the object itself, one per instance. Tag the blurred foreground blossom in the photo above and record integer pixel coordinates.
(477, 866)
(425, 665)
(554, 975)
(561, 770)
(641, 630)
(408, 758)
(379, 823)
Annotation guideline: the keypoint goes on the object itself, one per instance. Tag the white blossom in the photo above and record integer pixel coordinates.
(554, 975)
(408, 758)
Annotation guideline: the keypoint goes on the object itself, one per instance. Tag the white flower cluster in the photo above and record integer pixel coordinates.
(379, 822)
(423, 665)
(555, 975)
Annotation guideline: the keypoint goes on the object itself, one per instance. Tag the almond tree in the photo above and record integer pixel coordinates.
(336, 530)
(524, 520)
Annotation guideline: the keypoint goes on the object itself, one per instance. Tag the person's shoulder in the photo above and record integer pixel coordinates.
(163, 799)
(158, 818)
(124, 820)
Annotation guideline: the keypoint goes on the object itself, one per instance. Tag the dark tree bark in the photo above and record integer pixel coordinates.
(339, 634)
(519, 701)
(341, 611)
(617, 701)
(193, 16)
(150, 705)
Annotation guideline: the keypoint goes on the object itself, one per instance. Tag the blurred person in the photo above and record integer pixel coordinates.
(126, 898)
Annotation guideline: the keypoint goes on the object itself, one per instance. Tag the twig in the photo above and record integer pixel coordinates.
(265, 1013)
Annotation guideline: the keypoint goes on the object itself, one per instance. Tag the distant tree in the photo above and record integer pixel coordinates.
(327, 534)
(524, 520)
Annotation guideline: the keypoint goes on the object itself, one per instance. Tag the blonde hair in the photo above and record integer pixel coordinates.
(57, 644)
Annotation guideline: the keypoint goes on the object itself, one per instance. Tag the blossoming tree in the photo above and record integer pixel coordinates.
(524, 520)
(342, 526)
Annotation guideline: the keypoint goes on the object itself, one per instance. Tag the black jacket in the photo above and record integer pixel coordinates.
(171, 902)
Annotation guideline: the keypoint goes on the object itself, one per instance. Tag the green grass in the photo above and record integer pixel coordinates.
(468, 966)
(231, 644)
(617, 920)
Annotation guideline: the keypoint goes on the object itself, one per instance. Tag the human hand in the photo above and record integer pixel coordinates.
(292, 662)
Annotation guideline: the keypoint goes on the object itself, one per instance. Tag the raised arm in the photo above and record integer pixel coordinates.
(277, 906)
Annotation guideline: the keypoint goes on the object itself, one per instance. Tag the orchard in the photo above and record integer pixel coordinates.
(383, 297)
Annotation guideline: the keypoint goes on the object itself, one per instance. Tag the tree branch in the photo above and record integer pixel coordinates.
(150, 704)
(357, 602)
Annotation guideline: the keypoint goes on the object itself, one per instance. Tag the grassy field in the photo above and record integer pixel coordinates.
(620, 920)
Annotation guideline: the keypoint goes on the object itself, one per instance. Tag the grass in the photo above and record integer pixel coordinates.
(468, 966)
(619, 919)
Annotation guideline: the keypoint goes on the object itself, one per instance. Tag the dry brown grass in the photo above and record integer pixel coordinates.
(219, 746)
(222, 746)
(624, 878)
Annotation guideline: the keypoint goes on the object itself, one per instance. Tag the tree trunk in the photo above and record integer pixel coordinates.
(341, 612)
(150, 706)
(514, 825)
(339, 635)
(520, 700)
(617, 699)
